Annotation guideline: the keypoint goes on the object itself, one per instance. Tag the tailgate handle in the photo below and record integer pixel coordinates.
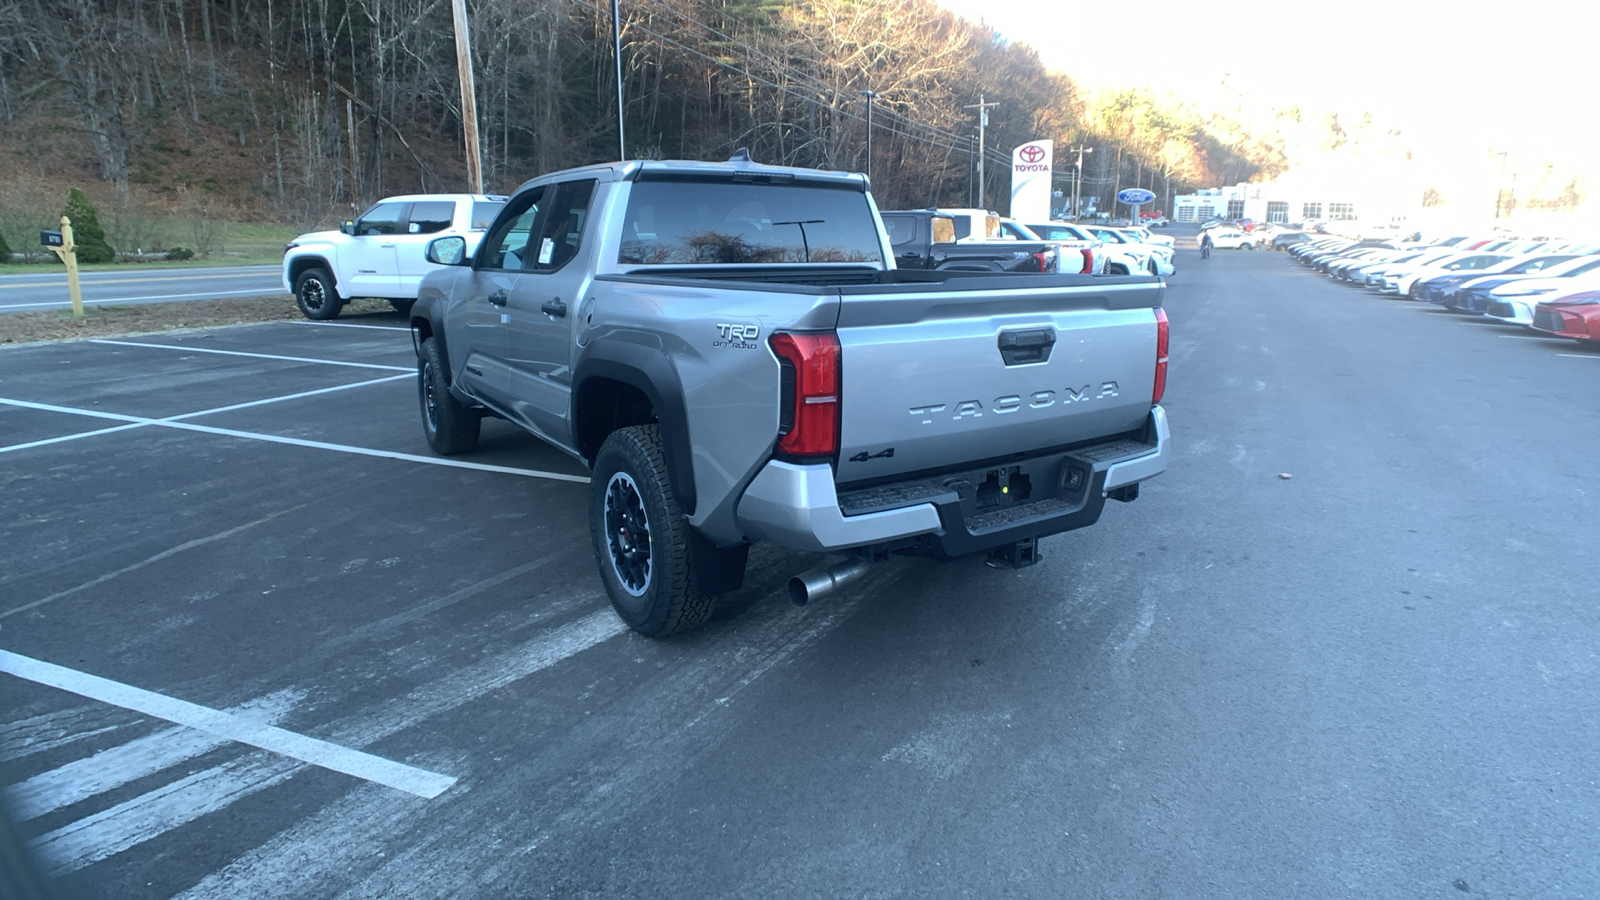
(1032, 346)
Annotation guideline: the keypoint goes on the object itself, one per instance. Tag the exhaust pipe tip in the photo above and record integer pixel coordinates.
(824, 580)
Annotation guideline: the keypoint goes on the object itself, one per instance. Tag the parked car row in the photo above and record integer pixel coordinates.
(1551, 285)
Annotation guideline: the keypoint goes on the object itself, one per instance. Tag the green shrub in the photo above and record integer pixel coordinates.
(86, 230)
(180, 253)
(5, 250)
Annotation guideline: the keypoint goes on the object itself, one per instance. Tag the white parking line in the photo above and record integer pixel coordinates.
(1578, 355)
(139, 758)
(160, 810)
(171, 551)
(355, 763)
(1528, 337)
(203, 412)
(298, 442)
(350, 325)
(325, 362)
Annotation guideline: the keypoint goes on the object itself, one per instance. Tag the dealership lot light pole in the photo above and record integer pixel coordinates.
(1077, 180)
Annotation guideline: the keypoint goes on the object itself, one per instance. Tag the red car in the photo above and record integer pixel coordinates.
(1575, 316)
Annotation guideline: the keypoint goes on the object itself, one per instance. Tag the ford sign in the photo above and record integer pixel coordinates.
(1135, 196)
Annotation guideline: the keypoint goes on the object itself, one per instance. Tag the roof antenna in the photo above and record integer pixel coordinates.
(740, 155)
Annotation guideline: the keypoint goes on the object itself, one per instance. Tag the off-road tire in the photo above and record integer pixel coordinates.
(450, 426)
(629, 491)
(402, 306)
(316, 296)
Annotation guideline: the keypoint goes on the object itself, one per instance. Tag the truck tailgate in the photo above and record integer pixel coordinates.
(935, 379)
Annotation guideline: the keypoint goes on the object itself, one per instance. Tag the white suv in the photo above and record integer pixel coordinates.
(379, 254)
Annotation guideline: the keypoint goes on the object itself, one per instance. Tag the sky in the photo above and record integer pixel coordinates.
(1458, 80)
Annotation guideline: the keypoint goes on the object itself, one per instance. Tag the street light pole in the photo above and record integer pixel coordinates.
(1077, 179)
(871, 96)
(616, 50)
(1499, 186)
(983, 122)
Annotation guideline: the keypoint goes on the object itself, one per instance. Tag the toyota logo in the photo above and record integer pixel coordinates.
(1031, 153)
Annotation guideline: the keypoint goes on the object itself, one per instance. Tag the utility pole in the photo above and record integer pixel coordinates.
(1077, 179)
(469, 99)
(1500, 186)
(983, 122)
(871, 96)
(616, 51)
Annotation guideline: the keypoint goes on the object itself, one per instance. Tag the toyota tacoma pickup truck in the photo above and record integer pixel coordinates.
(380, 253)
(730, 351)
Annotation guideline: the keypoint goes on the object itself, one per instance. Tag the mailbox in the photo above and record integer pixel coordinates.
(50, 239)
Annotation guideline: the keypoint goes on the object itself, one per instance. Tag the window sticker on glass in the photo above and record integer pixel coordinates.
(546, 249)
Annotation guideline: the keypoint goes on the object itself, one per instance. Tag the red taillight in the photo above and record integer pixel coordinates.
(1043, 259)
(1088, 262)
(811, 405)
(1161, 357)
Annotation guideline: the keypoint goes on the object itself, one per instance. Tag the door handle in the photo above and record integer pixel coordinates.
(387, 246)
(554, 307)
(498, 298)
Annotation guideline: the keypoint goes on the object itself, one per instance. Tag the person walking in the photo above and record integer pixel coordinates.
(1205, 245)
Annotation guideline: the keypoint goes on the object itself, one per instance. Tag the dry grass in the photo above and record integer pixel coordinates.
(106, 321)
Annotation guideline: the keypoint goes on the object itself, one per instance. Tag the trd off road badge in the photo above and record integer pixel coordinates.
(737, 337)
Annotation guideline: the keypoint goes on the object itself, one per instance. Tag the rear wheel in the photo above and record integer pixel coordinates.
(450, 426)
(641, 541)
(316, 296)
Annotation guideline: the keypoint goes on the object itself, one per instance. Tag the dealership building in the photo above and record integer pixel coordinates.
(1268, 202)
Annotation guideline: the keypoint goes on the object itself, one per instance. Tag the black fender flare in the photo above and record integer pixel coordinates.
(425, 321)
(312, 261)
(650, 371)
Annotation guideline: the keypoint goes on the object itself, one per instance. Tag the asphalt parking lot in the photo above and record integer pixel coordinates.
(256, 640)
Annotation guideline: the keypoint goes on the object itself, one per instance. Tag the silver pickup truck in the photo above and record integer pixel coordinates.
(730, 351)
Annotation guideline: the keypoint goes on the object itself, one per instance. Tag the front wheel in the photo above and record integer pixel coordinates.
(450, 426)
(640, 538)
(402, 306)
(316, 295)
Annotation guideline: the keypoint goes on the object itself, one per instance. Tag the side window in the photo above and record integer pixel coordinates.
(430, 217)
(901, 229)
(383, 218)
(483, 213)
(561, 229)
(944, 230)
(963, 227)
(507, 246)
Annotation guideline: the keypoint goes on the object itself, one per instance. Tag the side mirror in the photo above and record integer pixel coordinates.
(447, 251)
(348, 227)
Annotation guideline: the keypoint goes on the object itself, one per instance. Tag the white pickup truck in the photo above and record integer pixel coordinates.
(380, 253)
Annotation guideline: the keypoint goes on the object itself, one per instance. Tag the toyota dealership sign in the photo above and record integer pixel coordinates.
(1030, 181)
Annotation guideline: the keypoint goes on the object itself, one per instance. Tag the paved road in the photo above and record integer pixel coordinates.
(1374, 679)
(48, 290)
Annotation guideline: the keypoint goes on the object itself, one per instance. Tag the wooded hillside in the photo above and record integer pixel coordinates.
(244, 102)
